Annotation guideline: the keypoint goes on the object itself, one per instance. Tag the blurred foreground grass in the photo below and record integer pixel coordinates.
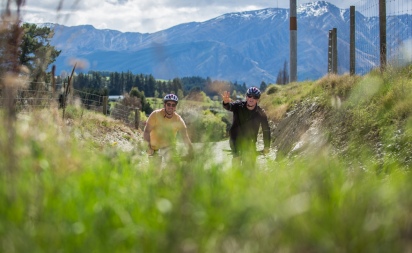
(65, 197)
(60, 191)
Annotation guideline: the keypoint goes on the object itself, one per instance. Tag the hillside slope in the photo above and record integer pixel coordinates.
(356, 118)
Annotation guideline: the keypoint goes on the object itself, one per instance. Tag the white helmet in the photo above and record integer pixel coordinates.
(170, 97)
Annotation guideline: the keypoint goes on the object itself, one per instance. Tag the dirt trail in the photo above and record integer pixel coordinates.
(217, 151)
(220, 153)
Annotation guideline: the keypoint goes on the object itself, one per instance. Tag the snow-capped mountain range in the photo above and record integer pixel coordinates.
(248, 47)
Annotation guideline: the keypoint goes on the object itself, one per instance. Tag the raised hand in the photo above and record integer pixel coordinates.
(226, 97)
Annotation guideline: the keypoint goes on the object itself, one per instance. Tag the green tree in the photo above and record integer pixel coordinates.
(263, 86)
(36, 52)
(196, 94)
(234, 94)
(205, 126)
(150, 86)
(176, 85)
(283, 75)
(144, 105)
(180, 94)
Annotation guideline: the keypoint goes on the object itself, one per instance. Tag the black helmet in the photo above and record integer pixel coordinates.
(253, 91)
(170, 97)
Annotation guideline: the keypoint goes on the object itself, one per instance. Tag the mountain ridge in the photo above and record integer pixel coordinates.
(244, 47)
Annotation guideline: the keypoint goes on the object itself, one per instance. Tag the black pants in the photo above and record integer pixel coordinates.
(244, 153)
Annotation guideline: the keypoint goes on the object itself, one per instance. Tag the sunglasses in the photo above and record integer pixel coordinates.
(251, 96)
(171, 104)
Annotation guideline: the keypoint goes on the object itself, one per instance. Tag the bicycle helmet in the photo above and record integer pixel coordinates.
(253, 91)
(170, 97)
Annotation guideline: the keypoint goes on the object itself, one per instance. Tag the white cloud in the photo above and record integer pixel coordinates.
(147, 15)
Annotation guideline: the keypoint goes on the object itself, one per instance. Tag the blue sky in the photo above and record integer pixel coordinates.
(148, 16)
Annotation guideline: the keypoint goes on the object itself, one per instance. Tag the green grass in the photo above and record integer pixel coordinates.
(362, 115)
(110, 204)
(60, 194)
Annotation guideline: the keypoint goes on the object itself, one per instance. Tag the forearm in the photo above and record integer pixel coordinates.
(227, 106)
(187, 140)
(146, 136)
(146, 131)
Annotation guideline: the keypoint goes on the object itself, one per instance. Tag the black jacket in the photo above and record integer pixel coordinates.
(246, 123)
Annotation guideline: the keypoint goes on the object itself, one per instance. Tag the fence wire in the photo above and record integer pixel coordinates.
(116, 109)
(27, 100)
(398, 34)
(122, 112)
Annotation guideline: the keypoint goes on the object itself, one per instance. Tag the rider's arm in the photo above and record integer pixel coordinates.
(148, 128)
(231, 106)
(146, 137)
(146, 133)
(226, 106)
(186, 139)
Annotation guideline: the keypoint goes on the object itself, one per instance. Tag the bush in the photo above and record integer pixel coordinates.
(272, 89)
(206, 127)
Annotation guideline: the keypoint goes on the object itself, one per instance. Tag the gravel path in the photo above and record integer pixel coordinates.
(220, 153)
(217, 151)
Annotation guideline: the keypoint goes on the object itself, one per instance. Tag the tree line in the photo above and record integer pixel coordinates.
(115, 83)
(105, 83)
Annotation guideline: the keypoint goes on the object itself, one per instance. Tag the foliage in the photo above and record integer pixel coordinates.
(65, 189)
(263, 86)
(283, 75)
(206, 126)
(211, 87)
(68, 196)
(197, 95)
(143, 104)
(155, 103)
(25, 50)
(272, 89)
(36, 52)
(118, 83)
(369, 113)
(203, 125)
(280, 99)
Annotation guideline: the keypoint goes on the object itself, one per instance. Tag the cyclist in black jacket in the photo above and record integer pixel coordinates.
(247, 118)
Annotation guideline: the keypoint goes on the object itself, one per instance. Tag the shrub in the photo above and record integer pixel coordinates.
(272, 89)
(206, 127)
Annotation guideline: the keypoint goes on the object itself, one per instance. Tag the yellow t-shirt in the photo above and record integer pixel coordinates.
(163, 130)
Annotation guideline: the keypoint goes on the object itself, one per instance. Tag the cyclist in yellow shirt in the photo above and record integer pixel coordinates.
(161, 129)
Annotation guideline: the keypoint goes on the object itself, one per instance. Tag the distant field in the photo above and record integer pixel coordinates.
(157, 103)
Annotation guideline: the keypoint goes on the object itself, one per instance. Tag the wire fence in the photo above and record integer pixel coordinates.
(398, 34)
(27, 100)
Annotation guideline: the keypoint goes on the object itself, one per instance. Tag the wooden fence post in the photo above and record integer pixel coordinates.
(293, 42)
(382, 33)
(335, 50)
(330, 56)
(352, 47)
(105, 98)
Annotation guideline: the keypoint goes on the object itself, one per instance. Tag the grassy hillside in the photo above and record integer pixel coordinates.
(340, 181)
(363, 119)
